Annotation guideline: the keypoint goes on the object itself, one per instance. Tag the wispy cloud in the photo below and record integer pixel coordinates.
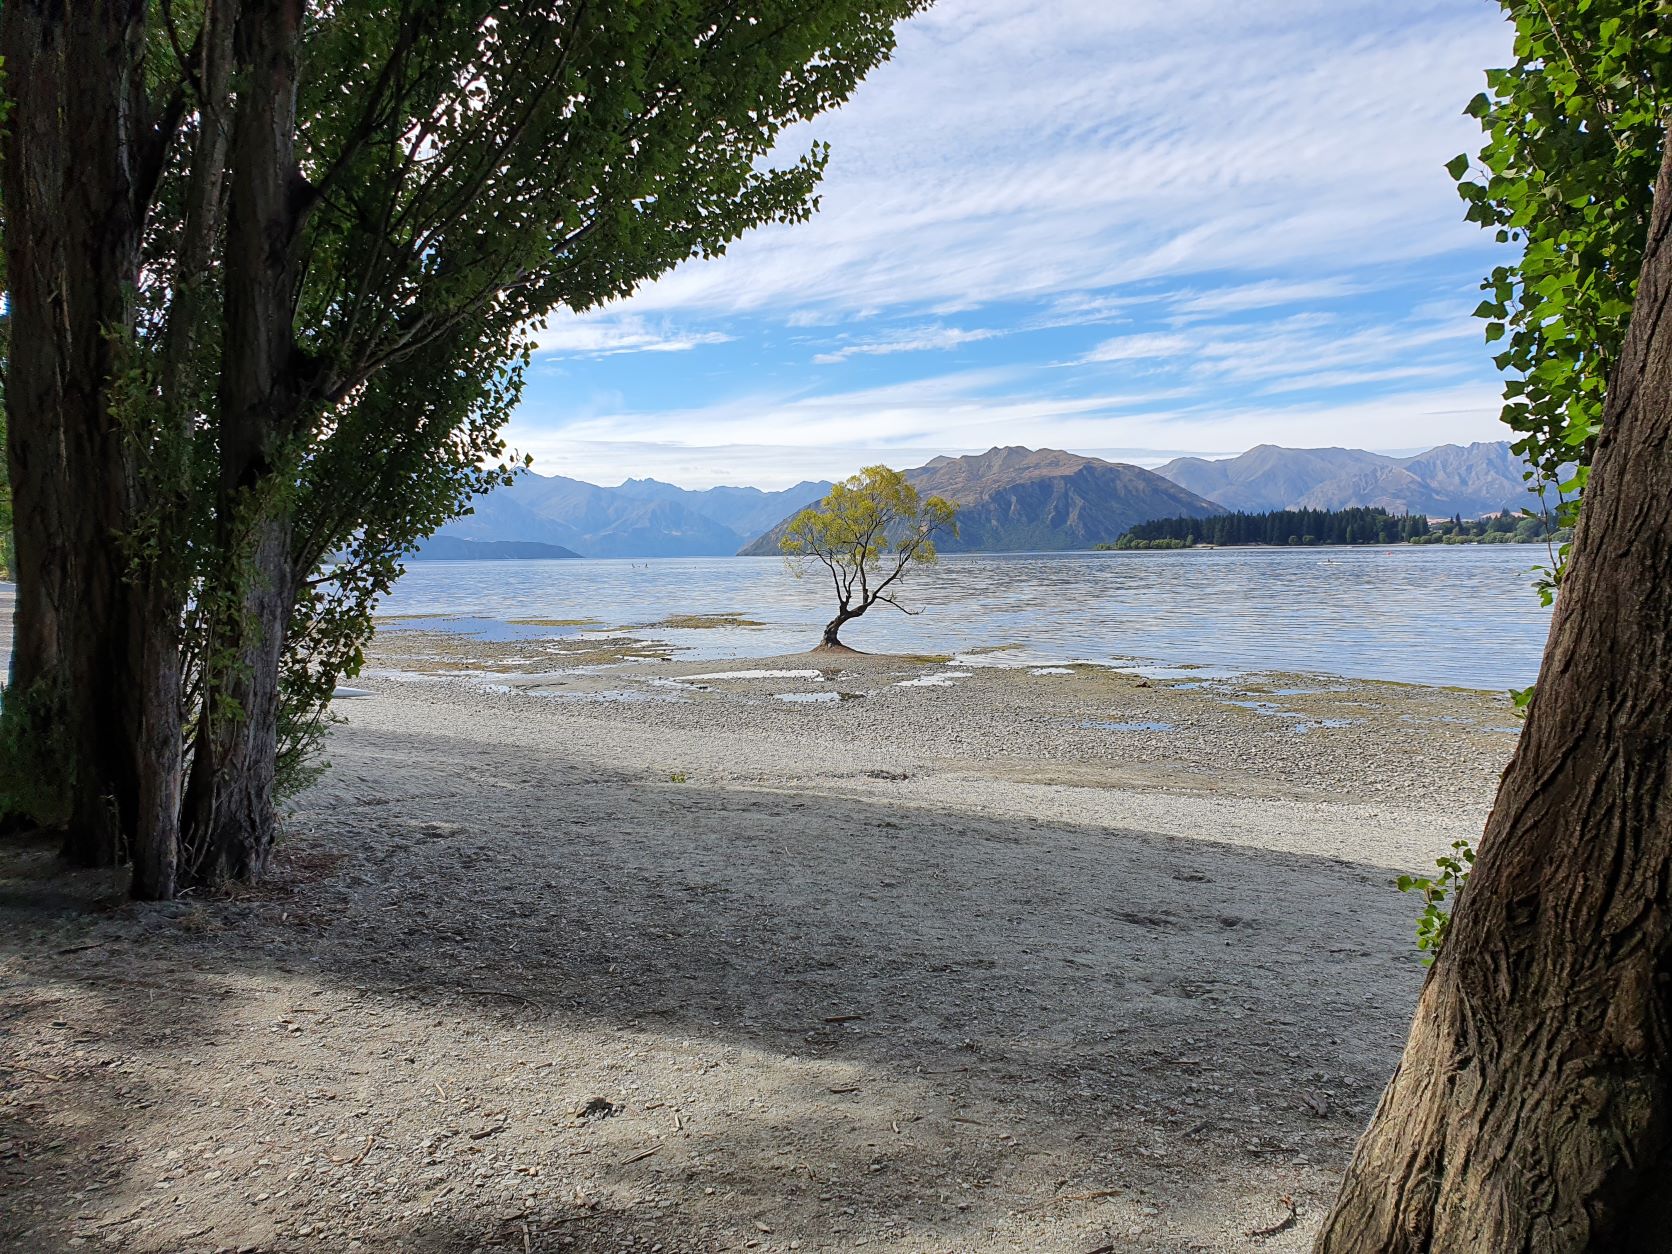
(603, 335)
(914, 340)
(1286, 353)
(1324, 380)
(1305, 344)
(1266, 294)
(1191, 226)
(826, 434)
(1141, 346)
(1014, 151)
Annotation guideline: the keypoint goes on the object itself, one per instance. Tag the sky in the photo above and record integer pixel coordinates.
(1133, 229)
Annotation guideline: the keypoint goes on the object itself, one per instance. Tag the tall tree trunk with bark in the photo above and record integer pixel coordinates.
(79, 154)
(1532, 1110)
(264, 387)
(161, 744)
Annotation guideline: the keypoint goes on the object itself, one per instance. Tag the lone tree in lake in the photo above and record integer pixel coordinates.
(868, 532)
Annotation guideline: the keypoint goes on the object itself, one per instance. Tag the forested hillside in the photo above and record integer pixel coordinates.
(1322, 526)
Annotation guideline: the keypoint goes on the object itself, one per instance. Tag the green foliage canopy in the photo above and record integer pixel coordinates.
(496, 164)
(1574, 130)
(345, 224)
(470, 166)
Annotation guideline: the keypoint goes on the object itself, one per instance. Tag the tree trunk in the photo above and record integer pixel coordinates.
(832, 629)
(230, 817)
(74, 215)
(1532, 1110)
(158, 745)
(264, 381)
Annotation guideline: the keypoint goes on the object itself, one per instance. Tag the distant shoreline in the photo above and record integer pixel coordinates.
(641, 559)
(1156, 546)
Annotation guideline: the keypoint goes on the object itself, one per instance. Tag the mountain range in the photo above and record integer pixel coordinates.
(444, 548)
(1471, 480)
(1018, 499)
(639, 518)
(1009, 499)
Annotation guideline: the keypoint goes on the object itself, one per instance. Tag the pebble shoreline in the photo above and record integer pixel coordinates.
(1307, 733)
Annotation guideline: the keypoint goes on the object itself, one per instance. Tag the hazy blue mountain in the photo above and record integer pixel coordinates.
(659, 529)
(444, 548)
(1011, 499)
(1015, 499)
(639, 518)
(506, 515)
(747, 511)
(1267, 477)
(1472, 480)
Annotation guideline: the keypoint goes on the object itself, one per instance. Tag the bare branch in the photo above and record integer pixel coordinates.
(888, 600)
(906, 554)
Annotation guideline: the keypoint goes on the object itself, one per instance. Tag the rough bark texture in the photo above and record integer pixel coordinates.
(75, 187)
(231, 816)
(161, 734)
(158, 746)
(1532, 1110)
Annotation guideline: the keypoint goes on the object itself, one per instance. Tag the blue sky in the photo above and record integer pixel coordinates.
(1130, 228)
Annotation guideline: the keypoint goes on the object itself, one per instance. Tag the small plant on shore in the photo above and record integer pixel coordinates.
(1437, 890)
(678, 777)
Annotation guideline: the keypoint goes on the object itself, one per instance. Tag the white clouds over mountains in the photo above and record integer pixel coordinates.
(1070, 202)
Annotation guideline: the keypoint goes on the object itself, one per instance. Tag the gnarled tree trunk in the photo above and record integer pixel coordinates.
(832, 630)
(1532, 1110)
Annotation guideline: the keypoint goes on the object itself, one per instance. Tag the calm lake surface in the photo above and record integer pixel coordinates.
(1463, 615)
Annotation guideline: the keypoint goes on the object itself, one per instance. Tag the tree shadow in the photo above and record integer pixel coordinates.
(811, 1018)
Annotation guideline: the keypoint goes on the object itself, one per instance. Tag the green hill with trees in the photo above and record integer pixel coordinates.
(1333, 527)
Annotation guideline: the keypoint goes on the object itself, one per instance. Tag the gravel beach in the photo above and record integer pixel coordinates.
(579, 946)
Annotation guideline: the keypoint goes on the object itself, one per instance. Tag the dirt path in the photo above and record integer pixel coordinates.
(536, 976)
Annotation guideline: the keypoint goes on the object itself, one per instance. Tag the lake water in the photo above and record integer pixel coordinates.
(1462, 614)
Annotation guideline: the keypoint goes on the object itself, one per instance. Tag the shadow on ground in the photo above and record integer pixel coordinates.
(564, 1008)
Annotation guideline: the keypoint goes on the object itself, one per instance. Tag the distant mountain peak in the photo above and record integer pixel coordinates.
(1484, 477)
